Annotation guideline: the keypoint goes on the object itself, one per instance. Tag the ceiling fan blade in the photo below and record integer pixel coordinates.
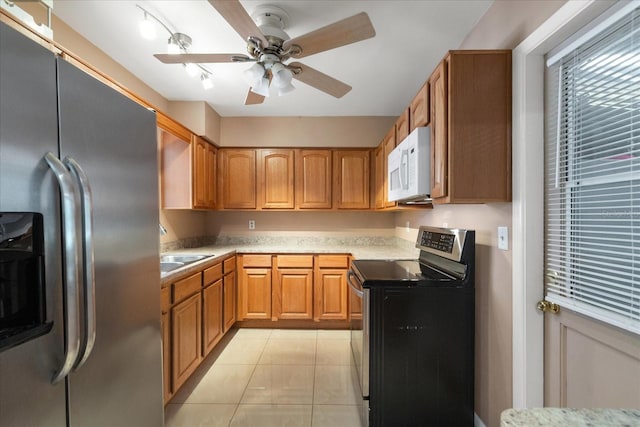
(253, 98)
(320, 80)
(341, 33)
(233, 12)
(200, 58)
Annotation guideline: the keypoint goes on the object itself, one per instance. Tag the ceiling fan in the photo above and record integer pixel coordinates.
(269, 47)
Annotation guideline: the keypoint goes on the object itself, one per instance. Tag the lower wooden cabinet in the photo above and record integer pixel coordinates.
(331, 289)
(211, 316)
(292, 296)
(293, 287)
(186, 337)
(196, 313)
(229, 294)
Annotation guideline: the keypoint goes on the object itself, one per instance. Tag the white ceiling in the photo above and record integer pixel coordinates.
(385, 71)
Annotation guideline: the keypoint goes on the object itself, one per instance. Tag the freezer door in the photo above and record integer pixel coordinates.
(29, 129)
(113, 139)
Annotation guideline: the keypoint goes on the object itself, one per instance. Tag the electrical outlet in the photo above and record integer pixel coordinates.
(252, 224)
(503, 238)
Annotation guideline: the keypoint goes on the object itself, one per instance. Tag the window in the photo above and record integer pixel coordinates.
(592, 172)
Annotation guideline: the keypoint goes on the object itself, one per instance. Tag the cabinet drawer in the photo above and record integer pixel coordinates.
(294, 261)
(252, 260)
(333, 261)
(229, 265)
(185, 287)
(212, 274)
(165, 299)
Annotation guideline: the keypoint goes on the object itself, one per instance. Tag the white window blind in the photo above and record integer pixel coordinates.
(592, 176)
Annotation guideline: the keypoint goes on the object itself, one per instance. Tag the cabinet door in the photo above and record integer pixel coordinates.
(238, 178)
(419, 108)
(255, 291)
(166, 356)
(186, 338)
(229, 297)
(379, 172)
(351, 175)
(211, 194)
(439, 132)
(331, 294)
(211, 316)
(389, 144)
(402, 125)
(199, 172)
(313, 179)
(293, 294)
(276, 179)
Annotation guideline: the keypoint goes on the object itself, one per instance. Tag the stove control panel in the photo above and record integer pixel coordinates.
(445, 242)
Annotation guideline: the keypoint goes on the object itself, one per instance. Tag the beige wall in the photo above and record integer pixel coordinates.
(304, 131)
(198, 116)
(301, 223)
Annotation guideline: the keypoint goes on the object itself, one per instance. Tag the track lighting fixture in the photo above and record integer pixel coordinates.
(176, 44)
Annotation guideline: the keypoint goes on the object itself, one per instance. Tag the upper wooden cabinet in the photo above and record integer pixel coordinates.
(313, 179)
(238, 178)
(471, 127)
(402, 125)
(388, 144)
(188, 167)
(419, 108)
(204, 174)
(276, 174)
(378, 171)
(351, 179)
(439, 133)
(174, 141)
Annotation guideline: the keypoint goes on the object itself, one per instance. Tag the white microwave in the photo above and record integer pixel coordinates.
(409, 171)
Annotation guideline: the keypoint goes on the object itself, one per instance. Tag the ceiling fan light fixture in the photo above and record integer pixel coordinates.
(281, 75)
(262, 87)
(254, 74)
(147, 28)
(207, 83)
(286, 89)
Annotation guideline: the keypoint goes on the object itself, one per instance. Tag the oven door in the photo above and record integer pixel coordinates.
(360, 324)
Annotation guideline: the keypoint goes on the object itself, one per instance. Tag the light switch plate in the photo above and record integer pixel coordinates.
(503, 238)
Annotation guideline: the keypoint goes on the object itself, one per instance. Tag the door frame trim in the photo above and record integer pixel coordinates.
(528, 195)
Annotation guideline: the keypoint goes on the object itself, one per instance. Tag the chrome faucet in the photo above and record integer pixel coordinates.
(163, 231)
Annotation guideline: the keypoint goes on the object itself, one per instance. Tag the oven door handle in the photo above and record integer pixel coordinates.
(354, 288)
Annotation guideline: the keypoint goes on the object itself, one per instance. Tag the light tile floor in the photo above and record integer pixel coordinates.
(271, 377)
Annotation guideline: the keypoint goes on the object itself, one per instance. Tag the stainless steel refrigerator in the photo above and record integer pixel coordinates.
(102, 222)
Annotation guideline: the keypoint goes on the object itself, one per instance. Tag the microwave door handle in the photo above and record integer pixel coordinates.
(404, 169)
(88, 260)
(70, 226)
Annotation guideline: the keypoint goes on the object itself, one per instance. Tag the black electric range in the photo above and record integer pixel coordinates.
(413, 337)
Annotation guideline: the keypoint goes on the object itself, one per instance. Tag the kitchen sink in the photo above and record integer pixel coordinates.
(166, 266)
(184, 259)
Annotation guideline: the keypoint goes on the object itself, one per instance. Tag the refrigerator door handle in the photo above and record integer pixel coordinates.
(88, 259)
(70, 225)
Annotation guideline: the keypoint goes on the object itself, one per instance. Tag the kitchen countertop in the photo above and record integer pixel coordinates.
(567, 417)
(218, 252)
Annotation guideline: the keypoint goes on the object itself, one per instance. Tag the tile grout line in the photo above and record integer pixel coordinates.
(255, 366)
